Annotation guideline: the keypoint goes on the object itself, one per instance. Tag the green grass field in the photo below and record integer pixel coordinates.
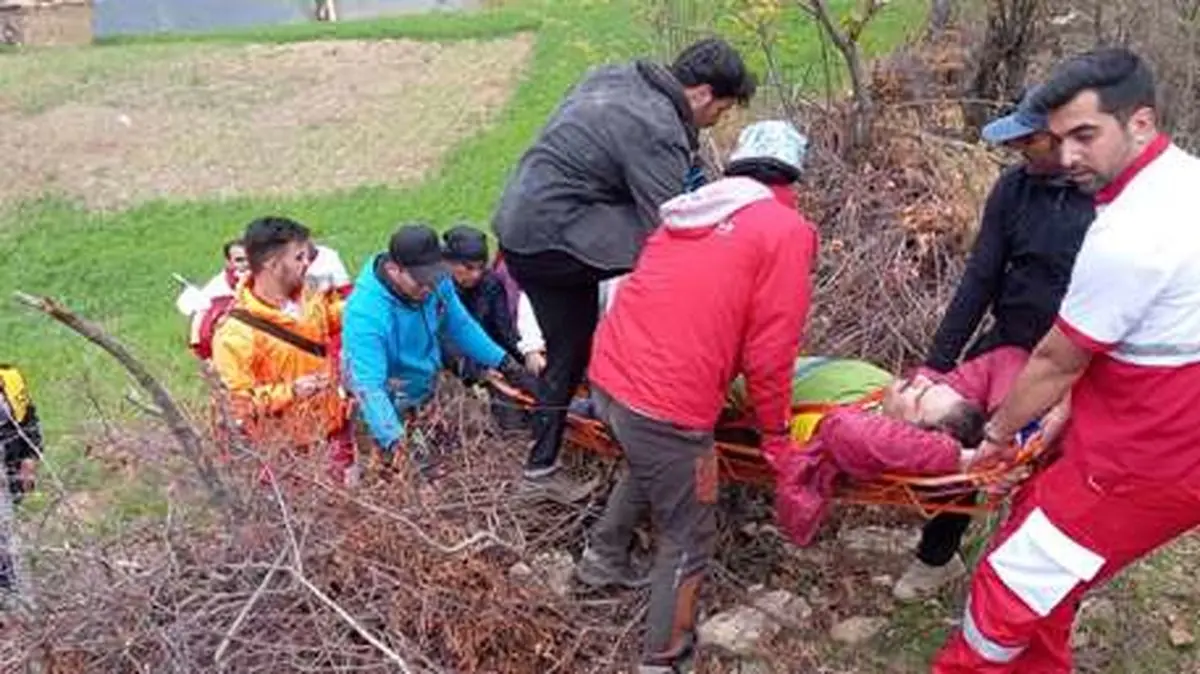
(115, 267)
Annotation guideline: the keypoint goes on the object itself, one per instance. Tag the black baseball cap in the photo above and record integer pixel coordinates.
(417, 250)
(465, 244)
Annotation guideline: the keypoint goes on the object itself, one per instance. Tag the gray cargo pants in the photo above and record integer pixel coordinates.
(673, 475)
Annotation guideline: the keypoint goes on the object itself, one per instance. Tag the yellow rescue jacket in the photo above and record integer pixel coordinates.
(259, 369)
(16, 391)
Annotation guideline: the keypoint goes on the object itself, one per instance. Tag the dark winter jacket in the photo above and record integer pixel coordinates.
(622, 143)
(20, 430)
(488, 303)
(1032, 229)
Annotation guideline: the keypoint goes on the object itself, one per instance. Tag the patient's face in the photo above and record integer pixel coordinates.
(919, 400)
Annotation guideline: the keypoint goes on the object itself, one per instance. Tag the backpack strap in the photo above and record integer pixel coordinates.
(279, 332)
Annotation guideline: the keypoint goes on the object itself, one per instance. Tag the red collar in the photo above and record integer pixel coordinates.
(785, 195)
(1151, 152)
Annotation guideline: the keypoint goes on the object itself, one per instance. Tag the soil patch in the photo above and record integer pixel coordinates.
(224, 120)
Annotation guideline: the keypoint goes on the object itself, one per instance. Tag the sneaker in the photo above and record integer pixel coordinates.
(556, 487)
(597, 572)
(921, 580)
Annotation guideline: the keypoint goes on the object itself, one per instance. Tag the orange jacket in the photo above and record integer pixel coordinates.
(259, 369)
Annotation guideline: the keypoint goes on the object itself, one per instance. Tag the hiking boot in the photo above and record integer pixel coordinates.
(556, 487)
(598, 572)
(921, 580)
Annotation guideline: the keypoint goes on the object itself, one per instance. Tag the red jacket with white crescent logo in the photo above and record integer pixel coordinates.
(721, 288)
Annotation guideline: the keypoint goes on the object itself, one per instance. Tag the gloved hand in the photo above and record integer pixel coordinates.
(516, 374)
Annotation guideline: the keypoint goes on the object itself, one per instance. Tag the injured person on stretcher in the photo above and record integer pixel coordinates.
(853, 420)
(923, 425)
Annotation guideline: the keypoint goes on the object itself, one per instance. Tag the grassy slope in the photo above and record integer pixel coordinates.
(116, 268)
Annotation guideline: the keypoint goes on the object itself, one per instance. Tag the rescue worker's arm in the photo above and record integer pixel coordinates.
(467, 334)
(1113, 285)
(1048, 377)
(233, 358)
(775, 327)
(527, 325)
(531, 344)
(1055, 420)
(979, 286)
(656, 167)
(364, 363)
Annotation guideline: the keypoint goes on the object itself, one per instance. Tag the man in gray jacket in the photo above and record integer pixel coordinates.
(584, 198)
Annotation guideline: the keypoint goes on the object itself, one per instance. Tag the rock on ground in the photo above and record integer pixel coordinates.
(553, 569)
(856, 630)
(1180, 637)
(743, 629)
(880, 540)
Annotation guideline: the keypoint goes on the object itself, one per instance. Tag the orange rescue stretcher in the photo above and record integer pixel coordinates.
(742, 462)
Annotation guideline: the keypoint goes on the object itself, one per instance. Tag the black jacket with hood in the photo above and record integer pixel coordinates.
(1033, 226)
(620, 144)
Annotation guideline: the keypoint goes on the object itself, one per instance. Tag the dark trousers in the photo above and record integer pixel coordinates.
(565, 294)
(673, 479)
(942, 535)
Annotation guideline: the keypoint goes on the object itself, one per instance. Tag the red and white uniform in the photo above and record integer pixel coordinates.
(1129, 478)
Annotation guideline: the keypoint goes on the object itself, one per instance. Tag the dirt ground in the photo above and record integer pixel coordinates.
(115, 126)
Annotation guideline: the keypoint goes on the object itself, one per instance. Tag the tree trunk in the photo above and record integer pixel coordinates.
(1002, 60)
(940, 14)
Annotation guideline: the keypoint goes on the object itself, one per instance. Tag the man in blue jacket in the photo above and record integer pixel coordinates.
(402, 303)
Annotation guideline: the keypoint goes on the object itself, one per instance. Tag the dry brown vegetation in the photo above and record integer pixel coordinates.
(311, 577)
(118, 127)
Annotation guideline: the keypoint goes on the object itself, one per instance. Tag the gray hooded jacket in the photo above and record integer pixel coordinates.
(619, 145)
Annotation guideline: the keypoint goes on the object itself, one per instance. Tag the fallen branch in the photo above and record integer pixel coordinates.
(349, 620)
(185, 434)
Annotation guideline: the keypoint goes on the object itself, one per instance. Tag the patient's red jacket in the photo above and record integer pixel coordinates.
(861, 445)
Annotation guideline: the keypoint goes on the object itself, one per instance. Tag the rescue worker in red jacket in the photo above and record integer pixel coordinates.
(721, 288)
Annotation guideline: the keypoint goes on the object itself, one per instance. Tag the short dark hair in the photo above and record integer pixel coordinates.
(464, 243)
(265, 236)
(1121, 79)
(715, 62)
(230, 245)
(964, 422)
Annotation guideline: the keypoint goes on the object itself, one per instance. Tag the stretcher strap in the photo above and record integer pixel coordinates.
(744, 464)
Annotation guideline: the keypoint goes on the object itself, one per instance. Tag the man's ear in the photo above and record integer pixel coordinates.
(1143, 124)
(700, 95)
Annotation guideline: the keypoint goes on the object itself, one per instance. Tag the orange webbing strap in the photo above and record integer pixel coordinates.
(929, 492)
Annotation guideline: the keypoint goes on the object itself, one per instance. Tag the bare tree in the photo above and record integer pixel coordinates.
(1003, 58)
(846, 40)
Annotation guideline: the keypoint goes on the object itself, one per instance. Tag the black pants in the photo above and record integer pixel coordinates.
(565, 294)
(943, 533)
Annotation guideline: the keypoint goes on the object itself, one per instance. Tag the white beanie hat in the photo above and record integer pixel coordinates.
(775, 141)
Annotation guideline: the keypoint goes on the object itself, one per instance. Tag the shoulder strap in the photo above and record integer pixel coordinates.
(299, 341)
